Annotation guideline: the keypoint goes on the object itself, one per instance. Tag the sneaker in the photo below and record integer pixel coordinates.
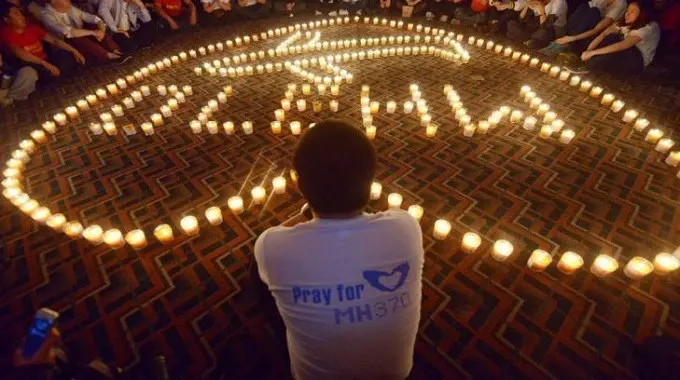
(429, 15)
(444, 18)
(333, 14)
(552, 49)
(568, 59)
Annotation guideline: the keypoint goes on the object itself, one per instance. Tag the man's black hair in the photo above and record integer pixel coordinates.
(5, 7)
(336, 164)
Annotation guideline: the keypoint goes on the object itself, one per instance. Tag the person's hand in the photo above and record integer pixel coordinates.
(98, 34)
(564, 40)
(125, 33)
(173, 24)
(290, 6)
(53, 70)
(45, 355)
(79, 57)
(192, 20)
(586, 55)
(101, 26)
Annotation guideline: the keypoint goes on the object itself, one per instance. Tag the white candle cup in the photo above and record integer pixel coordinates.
(333, 105)
(72, 112)
(569, 262)
(542, 109)
(394, 200)
(114, 238)
(374, 107)
(295, 127)
(416, 211)
(56, 221)
(665, 263)
(94, 234)
(60, 119)
(91, 99)
(471, 241)
(96, 128)
(564, 75)
(566, 136)
(279, 115)
(376, 190)
(136, 239)
(229, 127)
(110, 129)
(408, 107)
(259, 194)
(162, 90)
(545, 67)
(617, 106)
(285, 104)
(574, 81)
(524, 90)
(147, 129)
(607, 99)
(554, 71)
(534, 62)
(146, 91)
(535, 103)
(431, 130)
(117, 110)
(603, 265)
(39, 136)
(595, 92)
(425, 120)
(539, 260)
(189, 225)
(653, 135)
(166, 111)
(247, 127)
(73, 229)
(638, 267)
(214, 215)
(275, 127)
(128, 103)
(157, 119)
(83, 105)
(673, 158)
(585, 86)
(212, 127)
(502, 249)
(516, 116)
(279, 185)
(641, 124)
(545, 132)
(195, 126)
(101, 93)
(549, 117)
(213, 105)
(40, 214)
(469, 130)
(664, 145)
(441, 230)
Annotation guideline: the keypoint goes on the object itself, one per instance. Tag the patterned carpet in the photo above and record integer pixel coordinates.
(607, 191)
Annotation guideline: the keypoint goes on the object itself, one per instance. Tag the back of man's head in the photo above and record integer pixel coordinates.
(336, 164)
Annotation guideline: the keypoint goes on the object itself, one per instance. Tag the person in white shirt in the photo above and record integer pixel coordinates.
(539, 23)
(502, 12)
(64, 20)
(215, 12)
(585, 24)
(626, 47)
(254, 9)
(347, 284)
(128, 21)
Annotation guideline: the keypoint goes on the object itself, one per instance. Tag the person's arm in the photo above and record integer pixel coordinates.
(523, 12)
(55, 26)
(159, 10)
(599, 28)
(192, 11)
(598, 40)
(89, 18)
(27, 57)
(60, 44)
(209, 7)
(144, 14)
(242, 3)
(627, 43)
(104, 11)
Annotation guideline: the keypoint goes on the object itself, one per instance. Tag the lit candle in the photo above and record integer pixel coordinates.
(279, 185)
(374, 106)
(164, 234)
(229, 127)
(258, 193)
(73, 229)
(542, 109)
(162, 90)
(603, 265)
(60, 119)
(545, 67)
(536, 102)
(110, 129)
(441, 229)
(195, 126)
(539, 260)
(173, 104)
(235, 204)
(91, 99)
(39, 136)
(391, 106)
(469, 129)
(641, 124)
(482, 127)
(106, 117)
(595, 92)
(157, 119)
(276, 127)
(147, 129)
(285, 104)
(371, 131)
(211, 126)
(333, 105)
(574, 81)
(549, 117)
(135, 238)
(545, 131)
(564, 75)
(554, 71)
(638, 267)
(416, 211)
(113, 89)
(585, 86)
(214, 215)
(335, 90)
(524, 90)
(654, 135)
(533, 62)
(394, 200)
(471, 241)
(101, 93)
(502, 249)
(146, 91)
(425, 120)
(664, 145)
(607, 99)
(376, 190)
(117, 110)
(321, 88)
(566, 136)
(96, 128)
(431, 130)
(295, 127)
(317, 106)
(72, 111)
(247, 127)
(665, 263)
(530, 123)
(56, 221)
(128, 103)
(165, 111)
(40, 214)
(673, 159)
(189, 225)
(408, 107)
(516, 116)
(618, 106)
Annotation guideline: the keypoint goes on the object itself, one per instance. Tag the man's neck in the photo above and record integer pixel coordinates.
(338, 216)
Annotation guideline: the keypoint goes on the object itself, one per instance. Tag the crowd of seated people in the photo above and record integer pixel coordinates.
(45, 39)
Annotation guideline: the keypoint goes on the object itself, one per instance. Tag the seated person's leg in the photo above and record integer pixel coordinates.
(145, 35)
(127, 45)
(518, 31)
(63, 60)
(90, 48)
(584, 19)
(23, 83)
(541, 38)
(627, 61)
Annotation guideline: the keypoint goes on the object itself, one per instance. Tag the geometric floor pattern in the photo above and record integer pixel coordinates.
(607, 192)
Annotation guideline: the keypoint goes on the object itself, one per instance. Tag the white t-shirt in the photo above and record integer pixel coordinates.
(349, 293)
(558, 8)
(614, 11)
(650, 35)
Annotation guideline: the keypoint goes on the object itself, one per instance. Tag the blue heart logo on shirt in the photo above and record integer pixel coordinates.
(387, 281)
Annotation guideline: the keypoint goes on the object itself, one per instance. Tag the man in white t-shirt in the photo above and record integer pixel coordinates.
(347, 284)
(540, 21)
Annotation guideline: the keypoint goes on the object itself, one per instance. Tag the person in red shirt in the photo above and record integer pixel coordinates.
(177, 14)
(26, 43)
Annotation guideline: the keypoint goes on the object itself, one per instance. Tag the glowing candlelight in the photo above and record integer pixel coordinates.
(117, 110)
(554, 71)
(247, 127)
(408, 107)
(641, 124)
(91, 99)
(135, 238)
(235, 204)
(539, 260)
(607, 99)
(471, 241)
(431, 130)
(595, 92)
(654, 135)
(542, 109)
(110, 129)
(617, 106)
(165, 111)
(574, 81)
(285, 104)
(585, 86)
(502, 249)
(664, 145)
(96, 128)
(39, 136)
(276, 127)
(56, 221)
(73, 229)
(442, 228)
(425, 120)
(469, 129)
(40, 214)
(545, 67)
(638, 267)
(157, 119)
(189, 225)
(72, 111)
(279, 185)
(394, 200)
(229, 127)
(673, 159)
(416, 211)
(60, 119)
(665, 263)
(258, 193)
(564, 75)
(533, 62)
(549, 117)
(376, 190)
(374, 106)
(333, 105)
(566, 136)
(214, 215)
(545, 132)
(603, 265)
(295, 127)
(516, 116)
